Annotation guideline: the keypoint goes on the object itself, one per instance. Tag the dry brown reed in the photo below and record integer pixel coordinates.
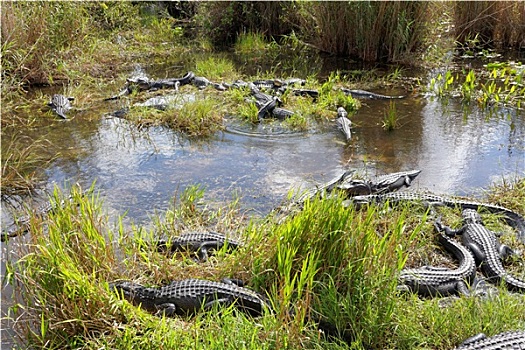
(371, 31)
(495, 23)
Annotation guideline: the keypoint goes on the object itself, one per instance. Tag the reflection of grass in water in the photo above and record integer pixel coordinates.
(327, 261)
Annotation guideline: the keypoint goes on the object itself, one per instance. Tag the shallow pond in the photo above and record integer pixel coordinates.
(139, 172)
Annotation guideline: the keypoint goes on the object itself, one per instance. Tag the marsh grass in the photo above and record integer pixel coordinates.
(391, 118)
(199, 118)
(250, 43)
(21, 161)
(326, 263)
(216, 69)
(370, 31)
(499, 23)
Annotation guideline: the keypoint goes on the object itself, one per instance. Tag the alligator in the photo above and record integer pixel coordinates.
(306, 92)
(368, 94)
(380, 184)
(343, 123)
(267, 108)
(281, 113)
(486, 248)
(197, 242)
(140, 82)
(60, 104)
(440, 281)
(512, 340)
(22, 224)
(200, 82)
(266, 103)
(267, 84)
(393, 181)
(237, 84)
(160, 102)
(187, 297)
(512, 218)
(357, 187)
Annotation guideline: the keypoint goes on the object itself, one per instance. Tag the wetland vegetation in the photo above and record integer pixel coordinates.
(332, 263)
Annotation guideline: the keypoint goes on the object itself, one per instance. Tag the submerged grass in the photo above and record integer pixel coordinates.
(327, 263)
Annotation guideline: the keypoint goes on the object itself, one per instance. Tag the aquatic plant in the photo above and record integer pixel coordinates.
(391, 118)
(252, 43)
(216, 69)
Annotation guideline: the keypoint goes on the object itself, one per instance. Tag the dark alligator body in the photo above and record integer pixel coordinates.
(513, 219)
(187, 297)
(281, 113)
(356, 187)
(512, 340)
(487, 250)
(143, 83)
(368, 94)
(439, 281)
(306, 92)
(197, 242)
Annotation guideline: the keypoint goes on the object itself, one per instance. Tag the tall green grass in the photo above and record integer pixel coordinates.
(326, 264)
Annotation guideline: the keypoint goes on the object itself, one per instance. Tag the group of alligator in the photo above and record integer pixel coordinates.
(480, 247)
(265, 94)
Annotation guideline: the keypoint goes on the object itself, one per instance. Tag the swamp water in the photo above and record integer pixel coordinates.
(139, 172)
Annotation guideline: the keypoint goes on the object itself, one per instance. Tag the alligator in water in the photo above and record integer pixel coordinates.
(22, 224)
(343, 123)
(368, 94)
(512, 218)
(197, 242)
(486, 248)
(512, 340)
(140, 82)
(187, 297)
(60, 105)
(440, 281)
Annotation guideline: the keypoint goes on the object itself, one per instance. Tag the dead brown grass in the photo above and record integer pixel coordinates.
(495, 23)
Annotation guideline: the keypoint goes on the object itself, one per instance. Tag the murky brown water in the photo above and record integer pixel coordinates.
(138, 173)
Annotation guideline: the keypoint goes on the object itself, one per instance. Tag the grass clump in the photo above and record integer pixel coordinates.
(250, 43)
(391, 118)
(200, 118)
(327, 263)
(216, 69)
